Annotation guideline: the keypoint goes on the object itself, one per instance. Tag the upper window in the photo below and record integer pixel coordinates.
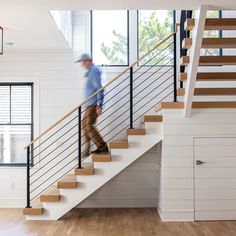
(16, 125)
(110, 37)
(153, 27)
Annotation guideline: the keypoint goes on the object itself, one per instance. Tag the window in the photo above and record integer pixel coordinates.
(153, 27)
(109, 37)
(16, 126)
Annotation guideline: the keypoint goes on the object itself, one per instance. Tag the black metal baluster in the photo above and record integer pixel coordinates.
(79, 138)
(131, 98)
(175, 69)
(28, 178)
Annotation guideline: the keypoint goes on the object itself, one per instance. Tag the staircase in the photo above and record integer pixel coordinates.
(60, 174)
(202, 95)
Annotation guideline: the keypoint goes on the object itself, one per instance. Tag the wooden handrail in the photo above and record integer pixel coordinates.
(99, 90)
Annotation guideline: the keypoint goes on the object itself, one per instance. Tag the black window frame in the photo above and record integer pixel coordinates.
(31, 124)
(138, 53)
(128, 41)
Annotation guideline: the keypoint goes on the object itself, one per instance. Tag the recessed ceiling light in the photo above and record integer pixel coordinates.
(9, 43)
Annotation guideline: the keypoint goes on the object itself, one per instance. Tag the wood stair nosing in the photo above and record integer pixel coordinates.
(87, 169)
(189, 24)
(213, 105)
(101, 157)
(152, 118)
(184, 60)
(217, 60)
(68, 181)
(212, 43)
(187, 43)
(33, 211)
(213, 24)
(52, 195)
(219, 43)
(122, 144)
(220, 24)
(211, 76)
(183, 76)
(211, 60)
(209, 92)
(169, 105)
(135, 131)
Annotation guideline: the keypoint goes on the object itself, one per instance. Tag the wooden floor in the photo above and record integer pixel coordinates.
(109, 222)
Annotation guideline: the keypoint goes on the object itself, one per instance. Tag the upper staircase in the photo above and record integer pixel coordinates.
(212, 77)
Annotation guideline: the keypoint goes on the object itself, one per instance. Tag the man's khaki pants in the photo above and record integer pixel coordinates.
(89, 131)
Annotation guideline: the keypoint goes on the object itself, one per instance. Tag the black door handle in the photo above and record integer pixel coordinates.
(199, 162)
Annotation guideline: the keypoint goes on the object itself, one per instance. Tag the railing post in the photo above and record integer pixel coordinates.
(175, 69)
(131, 98)
(79, 138)
(28, 179)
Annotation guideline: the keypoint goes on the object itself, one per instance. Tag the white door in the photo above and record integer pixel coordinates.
(215, 178)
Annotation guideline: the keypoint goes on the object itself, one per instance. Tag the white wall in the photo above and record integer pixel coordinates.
(60, 89)
(136, 186)
(177, 169)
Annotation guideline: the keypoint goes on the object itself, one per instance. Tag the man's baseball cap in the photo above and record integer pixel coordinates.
(84, 57)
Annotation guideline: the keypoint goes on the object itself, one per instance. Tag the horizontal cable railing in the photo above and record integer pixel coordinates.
(133, 93)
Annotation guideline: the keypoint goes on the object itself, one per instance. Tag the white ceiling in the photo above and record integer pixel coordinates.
(29, 25)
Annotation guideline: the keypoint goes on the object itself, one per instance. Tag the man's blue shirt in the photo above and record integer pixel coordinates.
(93, 83)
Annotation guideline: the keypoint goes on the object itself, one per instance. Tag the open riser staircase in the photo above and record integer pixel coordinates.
(61, 174)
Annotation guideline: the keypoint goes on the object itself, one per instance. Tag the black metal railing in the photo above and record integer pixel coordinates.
(129, 96)
(183, 34)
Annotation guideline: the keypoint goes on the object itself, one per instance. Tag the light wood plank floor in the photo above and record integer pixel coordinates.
(109, 222)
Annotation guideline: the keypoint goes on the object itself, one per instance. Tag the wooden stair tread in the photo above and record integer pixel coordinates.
(170, 105)
(217, 60)
(184, 60)
(219, 43)
(37, 210)
(189, 24)
(213, 24)
(51, 195)
(209, 91)
(211, 76)
(152, 118)
(211, 60)
(103, 157)
(68, 181)
(216, 104)
(183, 76)
(135, 131)
(187, 43)
(87, 169)
(220, 24)
(221, 76)
(212, 43)
(119, 144)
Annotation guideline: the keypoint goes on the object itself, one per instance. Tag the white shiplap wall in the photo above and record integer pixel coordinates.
(177, 170)
(136, 186)
(58, 82)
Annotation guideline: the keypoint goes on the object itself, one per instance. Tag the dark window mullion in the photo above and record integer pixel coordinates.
(10, 104)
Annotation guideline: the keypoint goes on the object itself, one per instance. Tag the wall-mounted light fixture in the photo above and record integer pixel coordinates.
(1, 40)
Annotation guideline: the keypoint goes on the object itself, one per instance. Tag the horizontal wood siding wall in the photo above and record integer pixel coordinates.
(177, 179)
(136, 186)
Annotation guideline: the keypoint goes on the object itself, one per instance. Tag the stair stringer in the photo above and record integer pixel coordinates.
(104, 171)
